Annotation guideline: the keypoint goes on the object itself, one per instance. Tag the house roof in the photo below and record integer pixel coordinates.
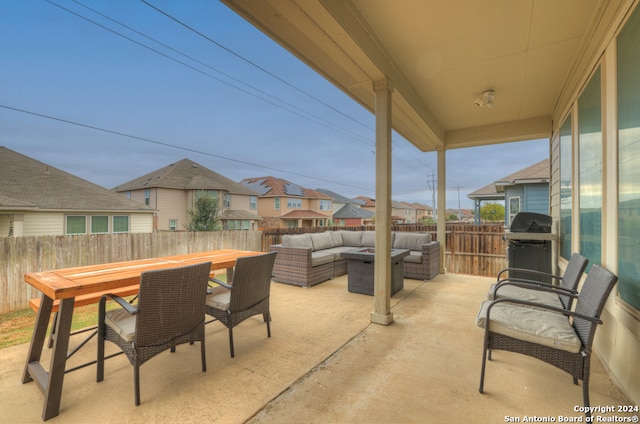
(350, 211)
(366, 202)
(536, 173)
(238, 214)
(277, 187)
(185, 175)
(29, 184)
(303, 214)
(338, 198)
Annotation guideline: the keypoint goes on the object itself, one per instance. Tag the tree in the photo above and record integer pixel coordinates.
(492, 212)
(204, 216)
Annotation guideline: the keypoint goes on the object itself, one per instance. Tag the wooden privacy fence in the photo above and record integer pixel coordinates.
(470, 249)
(19, 255)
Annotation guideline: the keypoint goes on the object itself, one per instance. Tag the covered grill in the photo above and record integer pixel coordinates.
(529, 247)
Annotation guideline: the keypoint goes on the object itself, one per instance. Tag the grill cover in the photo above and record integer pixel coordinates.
(531, 222)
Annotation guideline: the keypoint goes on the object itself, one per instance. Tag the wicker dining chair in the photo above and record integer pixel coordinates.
(247, 295)
(560, 294)
(170, 311)
(557, 336)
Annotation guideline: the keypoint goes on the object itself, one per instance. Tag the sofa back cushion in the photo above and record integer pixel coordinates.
(336, 236)
(369, 238)
(411, 241)
(297, 240)
(321, 241)
(352, 238)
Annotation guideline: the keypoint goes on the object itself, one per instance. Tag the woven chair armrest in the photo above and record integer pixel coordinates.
(119, 300)
(530, 271)
(221, 283)
(563, 311)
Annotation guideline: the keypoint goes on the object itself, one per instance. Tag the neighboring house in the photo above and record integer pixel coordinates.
(174, 189)
(39, 200)
(284, 204)
(422, 212)
(403, 213)
(347, 212)
(524, 191)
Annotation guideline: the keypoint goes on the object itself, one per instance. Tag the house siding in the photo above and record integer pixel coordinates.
(617, 342)
(141, 223)
(536, 198)
(172, 204)
(44, 223)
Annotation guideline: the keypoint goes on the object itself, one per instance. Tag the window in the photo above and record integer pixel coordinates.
(227, 200)
(147, 197)
(325, 205)
(99, 224)
(276, 203)
(211, 193)
(294, 203)
(173, 224)
(121, 224)
(566, 188)
(514, 207)
(76, 224)
(590, 167)
(292, 223)
(629, 162)
(253, 202)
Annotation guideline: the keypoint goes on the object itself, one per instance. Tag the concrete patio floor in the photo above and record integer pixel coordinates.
(325, 363)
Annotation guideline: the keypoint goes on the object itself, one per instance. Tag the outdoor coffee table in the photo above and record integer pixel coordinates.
(360, 270)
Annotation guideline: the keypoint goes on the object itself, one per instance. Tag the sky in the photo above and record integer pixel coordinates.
(112, 90)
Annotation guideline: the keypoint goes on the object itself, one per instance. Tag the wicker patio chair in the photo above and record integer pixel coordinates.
(559, 295)
(560, 337)
(170, 311)
(245, 296)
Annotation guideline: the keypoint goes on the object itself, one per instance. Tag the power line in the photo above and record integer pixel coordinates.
(251, 63)
(311, 117)
(160, 143)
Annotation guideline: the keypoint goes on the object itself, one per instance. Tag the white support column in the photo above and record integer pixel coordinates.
(442, 207)
(382, 264)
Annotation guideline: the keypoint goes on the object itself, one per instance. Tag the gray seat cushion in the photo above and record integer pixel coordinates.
(537, 296)
(219, 298)
(414, 257)
(322, 241)
(297, 240)
(122, 322)
(533, 325)
(321, 258)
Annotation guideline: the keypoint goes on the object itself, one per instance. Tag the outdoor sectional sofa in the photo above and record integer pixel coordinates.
(311, 258)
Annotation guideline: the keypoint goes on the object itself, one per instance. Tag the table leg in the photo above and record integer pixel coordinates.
(38, 336)
(229, 275)
(58, 364)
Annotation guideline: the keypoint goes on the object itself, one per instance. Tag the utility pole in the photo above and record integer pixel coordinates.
(432, 187)
(459, 210)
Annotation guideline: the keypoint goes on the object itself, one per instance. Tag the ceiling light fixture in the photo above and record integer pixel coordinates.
(486, 99)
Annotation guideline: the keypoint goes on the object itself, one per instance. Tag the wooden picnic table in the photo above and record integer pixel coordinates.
(63, 285)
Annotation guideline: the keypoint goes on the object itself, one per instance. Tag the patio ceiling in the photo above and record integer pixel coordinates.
(440, 56)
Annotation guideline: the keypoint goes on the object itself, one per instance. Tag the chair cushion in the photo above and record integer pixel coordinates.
(515, 292)
(321, 241)
(219, 298)
(122, 322)
(321, 258)
(352, 238)
(533, 325)
(414, 257)
(411, 241)
(297, 240)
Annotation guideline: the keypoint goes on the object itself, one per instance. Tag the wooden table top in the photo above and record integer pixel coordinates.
(72, 282)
